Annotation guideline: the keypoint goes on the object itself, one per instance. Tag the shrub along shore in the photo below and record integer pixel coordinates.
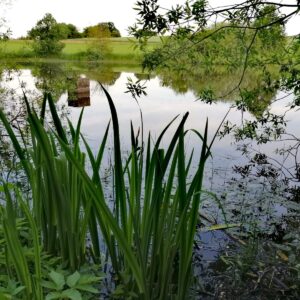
(91, 49)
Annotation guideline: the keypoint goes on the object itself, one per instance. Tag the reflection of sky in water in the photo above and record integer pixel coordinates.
(160, 107)
(246, 200)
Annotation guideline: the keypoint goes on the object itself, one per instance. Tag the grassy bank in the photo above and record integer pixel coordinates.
(112, 49)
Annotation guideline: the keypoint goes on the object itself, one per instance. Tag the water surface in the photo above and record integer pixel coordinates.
(244, 199)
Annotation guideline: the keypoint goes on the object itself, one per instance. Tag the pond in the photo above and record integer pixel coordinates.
(245, 197)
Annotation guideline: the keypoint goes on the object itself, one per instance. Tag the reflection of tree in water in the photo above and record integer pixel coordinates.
(255, 94)
(14, 109)
(12, 102)
(104, 75)
(9, 170)
(223, 86)
(144, 76)
(57, 78)
(53, 78)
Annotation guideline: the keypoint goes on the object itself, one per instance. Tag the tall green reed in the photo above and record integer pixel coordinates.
(150, 234)
(60, 204)
(28, 271)
(153, 227)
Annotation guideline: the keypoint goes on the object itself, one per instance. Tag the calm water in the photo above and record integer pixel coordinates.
(166, 98)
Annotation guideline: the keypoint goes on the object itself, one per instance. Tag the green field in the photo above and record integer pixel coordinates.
(112, 49)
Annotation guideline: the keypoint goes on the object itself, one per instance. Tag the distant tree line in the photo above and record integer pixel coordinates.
(63, 31)
(105, 29)
(48, 33)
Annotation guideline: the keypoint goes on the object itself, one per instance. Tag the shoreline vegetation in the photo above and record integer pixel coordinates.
(145, 251)
(84, 49)
(206, 207)
(125, 51)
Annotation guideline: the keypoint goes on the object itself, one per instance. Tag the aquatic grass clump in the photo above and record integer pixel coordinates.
(17, 256)
(149, 235)
(57, 193)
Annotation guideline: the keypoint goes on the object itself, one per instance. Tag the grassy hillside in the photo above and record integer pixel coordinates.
(112, 49)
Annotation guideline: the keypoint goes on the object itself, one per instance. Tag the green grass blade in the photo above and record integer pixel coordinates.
(56, 119)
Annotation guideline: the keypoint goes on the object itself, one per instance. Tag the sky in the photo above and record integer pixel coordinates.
(22, 15)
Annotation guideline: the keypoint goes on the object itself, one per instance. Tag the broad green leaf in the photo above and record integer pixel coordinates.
(71, 294)
(72, 280)
(49, 285)
(58, 279)
(54, 295)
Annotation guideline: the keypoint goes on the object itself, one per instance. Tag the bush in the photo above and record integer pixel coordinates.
(46, 35)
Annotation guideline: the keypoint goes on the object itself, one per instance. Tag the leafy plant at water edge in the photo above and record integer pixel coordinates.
(69, 287)
(11, 290)
(16, 259)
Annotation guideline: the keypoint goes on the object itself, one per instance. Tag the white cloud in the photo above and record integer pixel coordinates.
(23, 14)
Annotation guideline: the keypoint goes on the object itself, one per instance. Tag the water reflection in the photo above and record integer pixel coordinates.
(168, 95)
(79, 92)
(252, 90)
(245, 200)
(59, 77)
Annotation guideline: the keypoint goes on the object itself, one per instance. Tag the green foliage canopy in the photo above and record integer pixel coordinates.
(238, 38)
(244, 31)
(46, 35)
(102, 30)
(68, 31)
